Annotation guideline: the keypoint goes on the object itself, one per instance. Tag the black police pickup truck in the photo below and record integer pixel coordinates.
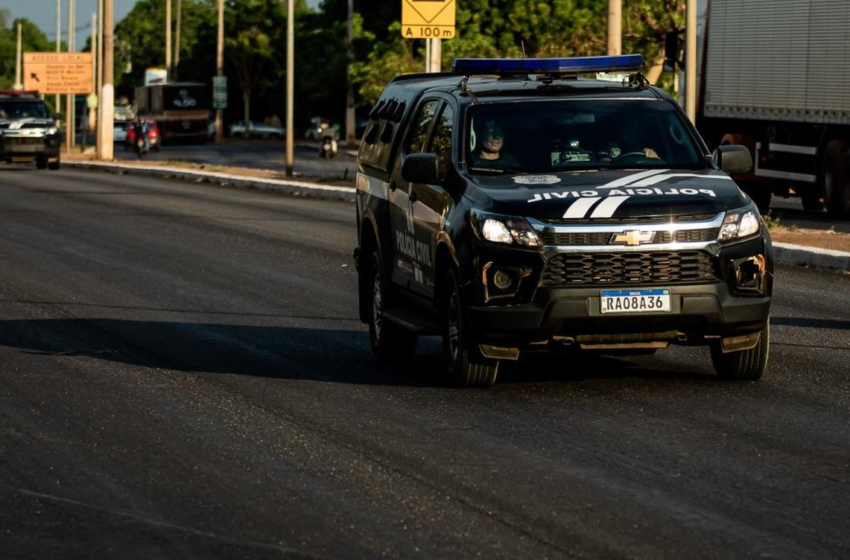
(519, 204)
(28, 131)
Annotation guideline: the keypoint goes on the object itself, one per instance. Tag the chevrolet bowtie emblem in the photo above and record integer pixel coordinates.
(632, 237)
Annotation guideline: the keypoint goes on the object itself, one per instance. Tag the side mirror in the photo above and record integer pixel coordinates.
(420, 168)
(734, 158)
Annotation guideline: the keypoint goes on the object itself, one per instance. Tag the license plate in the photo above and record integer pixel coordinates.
(635, 301)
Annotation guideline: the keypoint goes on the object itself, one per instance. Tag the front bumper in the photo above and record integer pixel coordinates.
(28, 148)
(724, 292)
(574, 316)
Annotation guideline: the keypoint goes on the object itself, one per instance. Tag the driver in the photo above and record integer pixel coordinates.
(632, 141)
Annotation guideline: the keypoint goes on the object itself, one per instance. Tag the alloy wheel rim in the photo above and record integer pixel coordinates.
(452, 327)
(377, 312)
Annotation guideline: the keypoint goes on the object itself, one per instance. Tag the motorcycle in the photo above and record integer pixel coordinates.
(328, 147)
(140, 140)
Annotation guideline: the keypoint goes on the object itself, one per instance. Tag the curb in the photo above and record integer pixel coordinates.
(785, 253)
(800, 255)
(287, 186)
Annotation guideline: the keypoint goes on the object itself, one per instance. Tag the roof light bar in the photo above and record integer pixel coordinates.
(568, 65)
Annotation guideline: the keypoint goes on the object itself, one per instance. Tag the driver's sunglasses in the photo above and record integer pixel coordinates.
(495, 134)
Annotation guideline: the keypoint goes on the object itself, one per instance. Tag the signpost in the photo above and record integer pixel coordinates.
(219, 92)
(55, 73)
(428, 19)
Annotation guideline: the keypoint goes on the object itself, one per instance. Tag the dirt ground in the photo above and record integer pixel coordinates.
(823, 239)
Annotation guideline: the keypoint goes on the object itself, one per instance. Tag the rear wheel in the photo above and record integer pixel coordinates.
(742, 365)
(464, 363)
(834, 177)
(389, 342)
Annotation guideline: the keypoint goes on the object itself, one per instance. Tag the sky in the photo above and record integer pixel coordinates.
(43, 14)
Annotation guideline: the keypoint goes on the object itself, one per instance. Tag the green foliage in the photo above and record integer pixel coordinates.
(32, 40)
(255, 45)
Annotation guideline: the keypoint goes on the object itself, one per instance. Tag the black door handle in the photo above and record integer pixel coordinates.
(414, 197)
(393, 185)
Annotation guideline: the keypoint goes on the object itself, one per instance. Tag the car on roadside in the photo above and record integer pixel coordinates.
(257, 130)
(119, 130)
(509, 208)
(28, 131)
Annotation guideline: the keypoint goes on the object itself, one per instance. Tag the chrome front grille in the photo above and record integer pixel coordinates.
(629, 268)
(22, 140)
(604, 238)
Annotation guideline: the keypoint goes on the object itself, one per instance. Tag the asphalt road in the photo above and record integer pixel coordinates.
(255, 154)
(183, 375)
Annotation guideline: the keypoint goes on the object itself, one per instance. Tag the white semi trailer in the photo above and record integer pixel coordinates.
(775, 77)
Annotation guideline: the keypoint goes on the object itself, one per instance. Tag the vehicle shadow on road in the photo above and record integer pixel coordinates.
(341, 356)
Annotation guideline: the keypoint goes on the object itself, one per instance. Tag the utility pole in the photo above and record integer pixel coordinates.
(615, 27)
(177, 39)
(350, 136)
(290, 84)
(435, 55)
(107, 133)
(99, 84)
(691, 60)
(18, 83)
(57, 108)
(219, 64)
(71, 106)
(167, 40)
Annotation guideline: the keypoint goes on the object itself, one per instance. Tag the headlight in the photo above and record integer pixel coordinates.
(739, 224)
(504, 229)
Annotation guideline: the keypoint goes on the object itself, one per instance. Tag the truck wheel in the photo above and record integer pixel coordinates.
(835, 189)
(41, 162)
(743, 365)
(464, 363)
(389, 342)
(812, 200)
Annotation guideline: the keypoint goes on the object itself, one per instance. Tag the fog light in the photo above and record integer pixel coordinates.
(502, 280)
(749, 273)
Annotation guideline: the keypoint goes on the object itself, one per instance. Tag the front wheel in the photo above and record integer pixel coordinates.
(742, 365)
(465, 365)
(389, 342)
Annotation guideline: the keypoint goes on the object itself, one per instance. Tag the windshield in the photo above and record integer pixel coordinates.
(23, 109)
(547, 136)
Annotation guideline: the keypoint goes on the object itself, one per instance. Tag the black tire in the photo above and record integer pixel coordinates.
(41, 162)
(389, 342)
(812, 198)
(743, 365)
(834, 180)
(465, 365)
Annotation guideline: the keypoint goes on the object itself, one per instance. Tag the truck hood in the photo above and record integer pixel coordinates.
(616, 194)
(25, 124)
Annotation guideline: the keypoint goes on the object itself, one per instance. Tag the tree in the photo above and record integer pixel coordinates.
(32, 40)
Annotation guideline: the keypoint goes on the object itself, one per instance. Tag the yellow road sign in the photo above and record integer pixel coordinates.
(428, 19)
(52, 72)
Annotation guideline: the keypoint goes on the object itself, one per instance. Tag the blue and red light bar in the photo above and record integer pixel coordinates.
(567, 65)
